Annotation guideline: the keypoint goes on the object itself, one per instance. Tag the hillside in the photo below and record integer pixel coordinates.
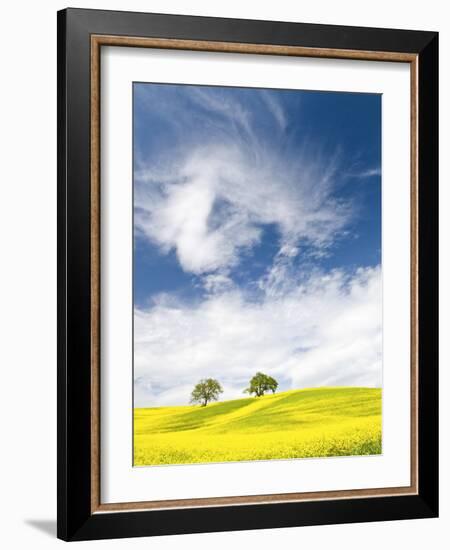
(294, 424)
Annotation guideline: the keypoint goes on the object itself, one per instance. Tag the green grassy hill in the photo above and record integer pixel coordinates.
(314, 422)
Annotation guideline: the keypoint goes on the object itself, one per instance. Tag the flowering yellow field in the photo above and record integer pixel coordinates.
(314, 422)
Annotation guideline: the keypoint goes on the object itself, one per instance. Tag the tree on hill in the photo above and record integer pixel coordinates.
(261, 383)
(205, 391)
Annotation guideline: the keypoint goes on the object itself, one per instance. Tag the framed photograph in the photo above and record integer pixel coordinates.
(247, 253)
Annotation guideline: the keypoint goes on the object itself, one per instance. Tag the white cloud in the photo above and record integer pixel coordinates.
(216, 283)
(218, 102)
(209, 199)
(221, 196)
(274, 107)
(326, 331)
(366, 173)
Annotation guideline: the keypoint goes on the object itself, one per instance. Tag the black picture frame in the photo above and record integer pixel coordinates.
(76, 521)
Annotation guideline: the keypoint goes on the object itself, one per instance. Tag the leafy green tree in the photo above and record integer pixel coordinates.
(205, 391)
(261, 383)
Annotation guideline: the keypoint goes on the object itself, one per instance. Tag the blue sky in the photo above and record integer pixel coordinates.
(255, 210)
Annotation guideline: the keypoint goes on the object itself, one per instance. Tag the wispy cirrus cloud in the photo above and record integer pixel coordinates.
(365, 173)
(209, 200)
(274, 108)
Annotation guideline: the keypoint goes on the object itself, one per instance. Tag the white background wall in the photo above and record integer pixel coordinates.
(28, 271)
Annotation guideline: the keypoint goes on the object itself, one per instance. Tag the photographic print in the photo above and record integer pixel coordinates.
(257, 274)
(247, 274)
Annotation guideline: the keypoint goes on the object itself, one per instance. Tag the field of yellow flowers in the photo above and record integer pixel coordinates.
(318, 422)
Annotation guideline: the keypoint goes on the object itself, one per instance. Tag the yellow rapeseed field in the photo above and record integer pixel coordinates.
(342, 421)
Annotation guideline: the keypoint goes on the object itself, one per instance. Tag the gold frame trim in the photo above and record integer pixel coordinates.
(128, 41)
